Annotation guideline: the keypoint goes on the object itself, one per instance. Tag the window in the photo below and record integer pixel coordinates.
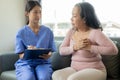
(57, 13)
(109, 14)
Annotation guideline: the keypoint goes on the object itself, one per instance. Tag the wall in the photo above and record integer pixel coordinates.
(11, 19)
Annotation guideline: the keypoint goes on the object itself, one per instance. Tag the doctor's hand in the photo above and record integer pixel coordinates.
(46, 56)
(31, 47)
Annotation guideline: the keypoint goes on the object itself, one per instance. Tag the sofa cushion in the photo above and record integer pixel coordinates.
(8, 75)
(112, 64)
(59, 61)
(7, 61)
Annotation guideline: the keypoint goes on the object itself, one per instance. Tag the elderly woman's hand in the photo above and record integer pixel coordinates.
(82, 44)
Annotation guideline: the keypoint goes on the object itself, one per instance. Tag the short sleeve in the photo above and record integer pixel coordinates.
(19, 46)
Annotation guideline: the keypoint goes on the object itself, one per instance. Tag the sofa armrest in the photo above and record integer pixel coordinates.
(112, 63)
(7, 61)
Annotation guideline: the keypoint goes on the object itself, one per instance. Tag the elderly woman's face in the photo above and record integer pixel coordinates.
(76, 19)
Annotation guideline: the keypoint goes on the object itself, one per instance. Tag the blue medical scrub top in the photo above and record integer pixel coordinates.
(25, 37)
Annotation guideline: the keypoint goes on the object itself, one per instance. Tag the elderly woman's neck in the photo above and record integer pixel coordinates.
(83, 29)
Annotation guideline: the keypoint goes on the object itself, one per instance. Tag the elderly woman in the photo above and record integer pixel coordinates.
(86, 43)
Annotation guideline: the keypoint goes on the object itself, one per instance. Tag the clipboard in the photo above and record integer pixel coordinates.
(35, 53)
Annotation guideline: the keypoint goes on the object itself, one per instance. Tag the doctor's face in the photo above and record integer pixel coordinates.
(35, 14)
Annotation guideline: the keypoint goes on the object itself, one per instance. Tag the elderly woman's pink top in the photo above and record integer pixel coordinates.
(81, 59)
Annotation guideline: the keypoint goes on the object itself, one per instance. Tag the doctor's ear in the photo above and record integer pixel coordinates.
(26, 13)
